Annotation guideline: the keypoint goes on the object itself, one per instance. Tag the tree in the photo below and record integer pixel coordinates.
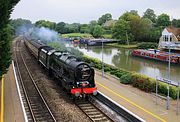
(145, 29)
(134, 12)
(121, 30)
(73, 28)
(98, 31)
(19, 23)
(104, 18)
(163, 20)
(176, 23)
(60, 27)
(47, 24)
(84, 28)
(149, 13)
(92, 24)
(6, 7)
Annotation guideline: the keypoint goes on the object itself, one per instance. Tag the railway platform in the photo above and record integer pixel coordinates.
(11, 109)
(140, 103)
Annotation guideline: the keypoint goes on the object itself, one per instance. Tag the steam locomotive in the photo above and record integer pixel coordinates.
(76, 76)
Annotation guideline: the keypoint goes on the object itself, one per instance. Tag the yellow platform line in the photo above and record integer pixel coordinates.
(2, 99)
(154, 115)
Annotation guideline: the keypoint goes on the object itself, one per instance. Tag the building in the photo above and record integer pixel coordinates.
(170, 38)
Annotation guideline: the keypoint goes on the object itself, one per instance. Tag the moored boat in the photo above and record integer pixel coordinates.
(157, 55)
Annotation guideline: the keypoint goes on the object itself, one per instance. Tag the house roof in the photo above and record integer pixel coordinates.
(175, 31)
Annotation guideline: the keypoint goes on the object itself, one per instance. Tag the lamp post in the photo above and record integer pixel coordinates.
(102, 61)
(169, 68)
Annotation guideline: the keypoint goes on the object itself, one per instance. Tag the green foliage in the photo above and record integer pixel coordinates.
(163, 20)
(149, 13)
(84, 28)
(6, 7)
(60, 27)
(147, 45)
(47, 24)
(142, 82)
(19, 22)
(137, 80)
(176, 23)
(107, 36)
(126, 79)
(80, 35)
(104, 18)
(98, 31)
(73, 28)
(120, 29)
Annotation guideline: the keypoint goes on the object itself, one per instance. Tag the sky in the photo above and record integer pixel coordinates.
(83, 11)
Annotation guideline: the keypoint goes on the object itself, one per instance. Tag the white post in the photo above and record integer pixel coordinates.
(102, 61)
(169, 68)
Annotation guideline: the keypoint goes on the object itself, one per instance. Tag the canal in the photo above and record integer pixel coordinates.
(122, 58)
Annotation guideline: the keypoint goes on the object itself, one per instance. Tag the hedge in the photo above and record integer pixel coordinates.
(147, 45)
(137, 80)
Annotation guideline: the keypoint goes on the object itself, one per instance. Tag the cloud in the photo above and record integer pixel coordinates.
(84, 11)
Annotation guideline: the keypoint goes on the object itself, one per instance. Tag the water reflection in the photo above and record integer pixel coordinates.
(122, 58)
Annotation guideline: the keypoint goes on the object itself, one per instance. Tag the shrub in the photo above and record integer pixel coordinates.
(146, 45)
(140, 81)
(126, 79)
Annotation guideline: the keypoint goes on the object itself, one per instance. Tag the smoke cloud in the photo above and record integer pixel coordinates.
(46, 36)
(42, 34)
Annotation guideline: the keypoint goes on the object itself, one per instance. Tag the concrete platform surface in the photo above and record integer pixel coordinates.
(139, 102)
(12, 106)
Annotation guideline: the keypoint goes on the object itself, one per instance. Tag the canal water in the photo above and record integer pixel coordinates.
(122, 58)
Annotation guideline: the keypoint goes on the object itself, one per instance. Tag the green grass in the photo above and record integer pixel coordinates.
(81, 35)
(107, 36)
(123, 46)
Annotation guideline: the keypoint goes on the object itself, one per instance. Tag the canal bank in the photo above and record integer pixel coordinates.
(122, 58)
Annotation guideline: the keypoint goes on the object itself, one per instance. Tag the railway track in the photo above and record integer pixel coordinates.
(94, 113)
(36, 107)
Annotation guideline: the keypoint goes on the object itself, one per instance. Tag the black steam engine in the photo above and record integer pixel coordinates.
(76, 76)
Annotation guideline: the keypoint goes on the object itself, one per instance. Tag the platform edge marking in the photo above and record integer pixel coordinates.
(2, 99)
(156, 116)
(20, 97)
(125, 109)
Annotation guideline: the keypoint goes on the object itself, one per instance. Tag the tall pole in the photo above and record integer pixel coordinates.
(102, 61)
(169, 64)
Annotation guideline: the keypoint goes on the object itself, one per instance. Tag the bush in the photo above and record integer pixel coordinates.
(126, 79)
(140, 81)
(147, 45)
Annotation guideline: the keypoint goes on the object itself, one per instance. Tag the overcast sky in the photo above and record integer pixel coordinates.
(83, 11)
